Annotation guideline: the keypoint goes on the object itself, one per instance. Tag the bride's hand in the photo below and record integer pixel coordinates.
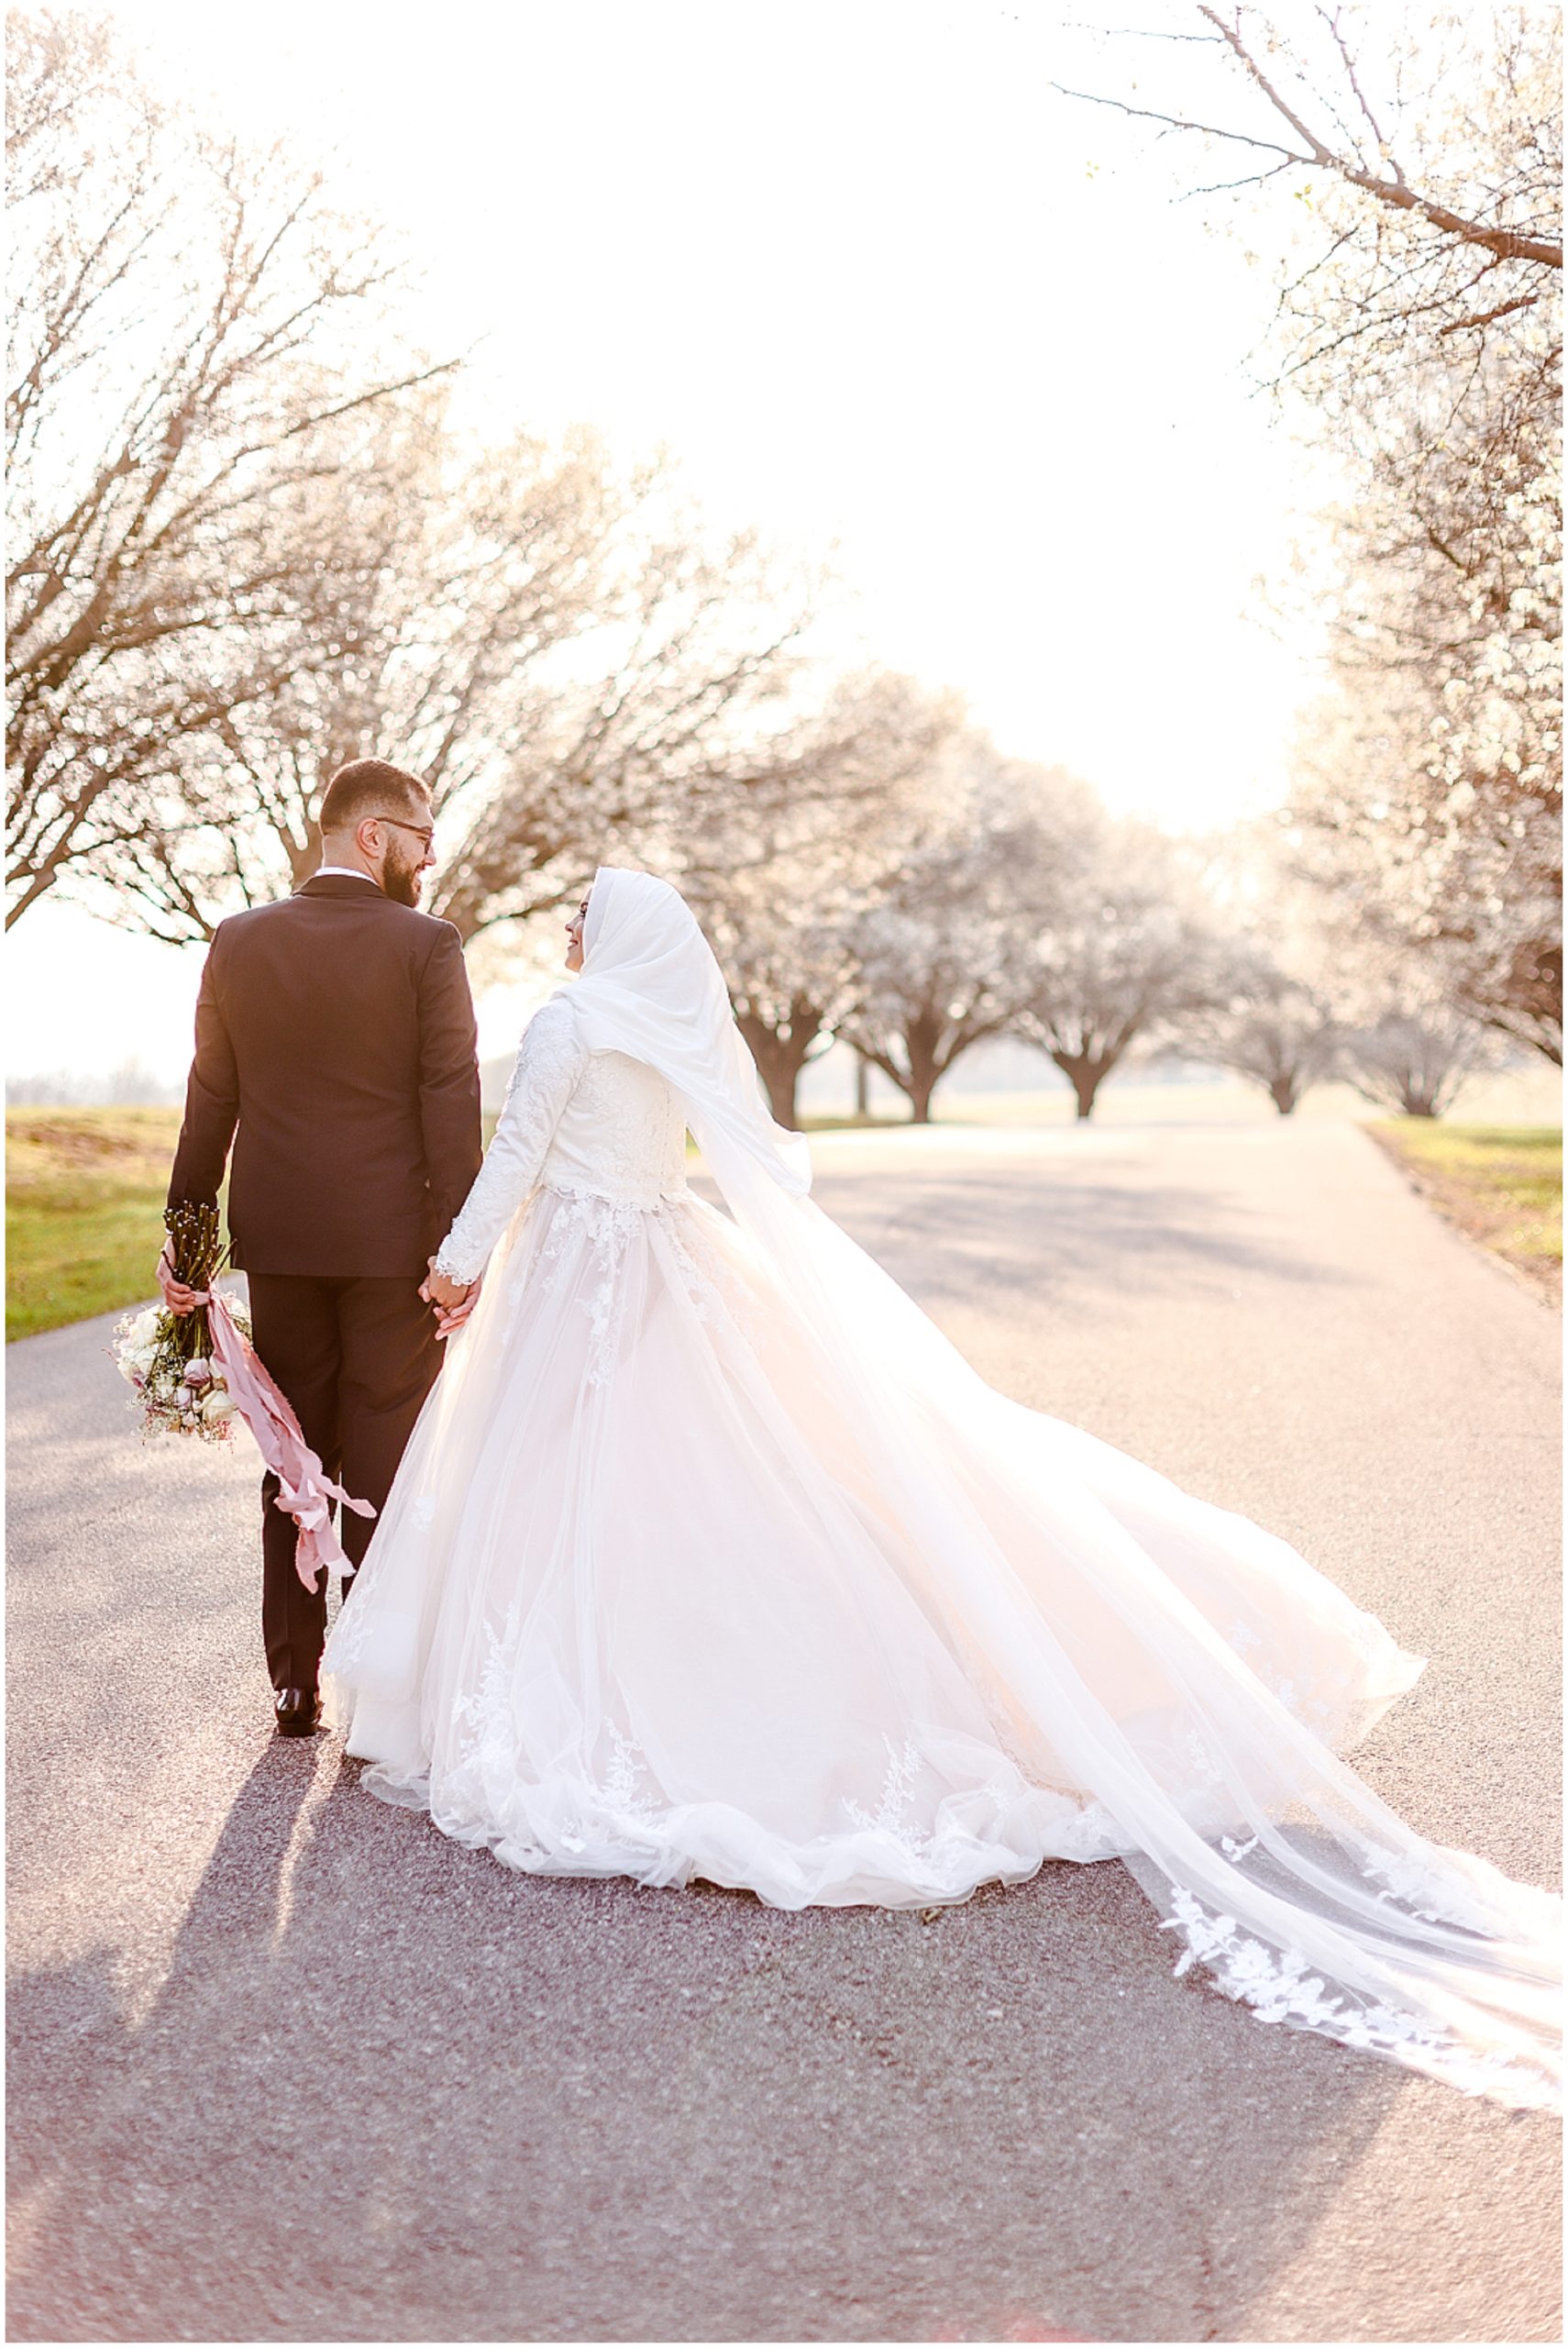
(439, 1290)
(453, 1299)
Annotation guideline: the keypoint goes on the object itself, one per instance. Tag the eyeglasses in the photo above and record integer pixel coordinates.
(420, 831)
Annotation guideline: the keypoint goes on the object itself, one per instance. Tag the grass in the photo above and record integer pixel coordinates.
(1501, 1184)
(852, 1125)
(84, 1192)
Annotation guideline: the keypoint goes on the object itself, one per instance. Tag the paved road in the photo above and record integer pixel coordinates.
(286, 2066)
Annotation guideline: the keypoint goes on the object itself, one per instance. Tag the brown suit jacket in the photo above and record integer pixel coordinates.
(335, 1031)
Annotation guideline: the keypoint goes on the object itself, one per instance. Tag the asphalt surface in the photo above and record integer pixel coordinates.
(286, 2066)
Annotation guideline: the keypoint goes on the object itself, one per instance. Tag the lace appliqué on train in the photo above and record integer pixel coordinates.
(624, 1809)
(619, 1811)
(1279, 1985)
(1430, 1887)
(487, 1739)
(898, 1786)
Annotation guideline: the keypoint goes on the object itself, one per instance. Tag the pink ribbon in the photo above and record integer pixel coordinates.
(306, 1489)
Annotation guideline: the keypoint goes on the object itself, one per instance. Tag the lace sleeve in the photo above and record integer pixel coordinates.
(550, 1061)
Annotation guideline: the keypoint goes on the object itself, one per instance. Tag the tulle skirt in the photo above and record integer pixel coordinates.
(634, 1608)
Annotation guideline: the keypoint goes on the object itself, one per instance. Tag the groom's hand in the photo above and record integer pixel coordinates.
(180, 1299)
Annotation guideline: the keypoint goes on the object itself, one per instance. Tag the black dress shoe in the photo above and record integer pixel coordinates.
(297, 1712)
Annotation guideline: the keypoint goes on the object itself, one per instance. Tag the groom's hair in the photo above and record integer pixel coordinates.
(370, 787)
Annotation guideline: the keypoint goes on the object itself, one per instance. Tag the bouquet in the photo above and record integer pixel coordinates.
(197, 1373)
(170, 1361)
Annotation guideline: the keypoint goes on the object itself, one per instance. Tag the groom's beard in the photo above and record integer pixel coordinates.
(401, 883)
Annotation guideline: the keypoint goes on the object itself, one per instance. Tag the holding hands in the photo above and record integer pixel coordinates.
(453, 1300)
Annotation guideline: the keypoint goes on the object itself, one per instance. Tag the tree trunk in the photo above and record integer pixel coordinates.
(780, 1056)
(777, 1064)
(923, 1050)
(1283, 1093)
(1086, 1075)
(781, 1082)
(862, 1086)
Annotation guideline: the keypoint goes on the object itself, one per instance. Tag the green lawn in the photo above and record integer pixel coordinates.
(85, 1193)
(1502, 1184)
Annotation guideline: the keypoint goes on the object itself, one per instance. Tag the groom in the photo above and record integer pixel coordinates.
(336, 1031)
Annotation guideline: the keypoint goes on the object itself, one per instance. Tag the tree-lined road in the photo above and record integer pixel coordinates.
(287, 2065)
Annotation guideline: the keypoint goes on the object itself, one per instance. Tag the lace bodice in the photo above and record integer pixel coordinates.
(596, 1123)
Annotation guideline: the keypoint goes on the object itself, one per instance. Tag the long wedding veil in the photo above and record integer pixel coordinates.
(1274, 1864)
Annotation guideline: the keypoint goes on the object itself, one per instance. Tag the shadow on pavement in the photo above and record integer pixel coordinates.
(950, 1238)
(388, 2091)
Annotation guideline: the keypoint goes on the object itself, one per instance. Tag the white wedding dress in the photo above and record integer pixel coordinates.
(709, 1556)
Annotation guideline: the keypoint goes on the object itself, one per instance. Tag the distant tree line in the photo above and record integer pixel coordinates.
(983, 898)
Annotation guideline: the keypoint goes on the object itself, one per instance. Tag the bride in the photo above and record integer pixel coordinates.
(709, 1556)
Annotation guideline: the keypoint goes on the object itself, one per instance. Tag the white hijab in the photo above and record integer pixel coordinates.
(650, 988)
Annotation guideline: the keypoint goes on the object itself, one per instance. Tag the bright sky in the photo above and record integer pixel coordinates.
(876, 284)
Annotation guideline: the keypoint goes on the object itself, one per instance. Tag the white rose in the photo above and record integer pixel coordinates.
(217, 1408)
